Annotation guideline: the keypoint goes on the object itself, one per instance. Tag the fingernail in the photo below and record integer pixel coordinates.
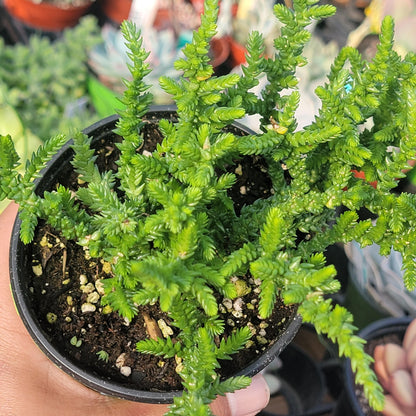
(249, 401)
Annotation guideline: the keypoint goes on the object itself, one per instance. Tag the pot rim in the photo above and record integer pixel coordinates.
(46, 16)
(96, 382)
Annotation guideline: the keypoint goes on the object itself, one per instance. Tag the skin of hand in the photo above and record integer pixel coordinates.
(32, 385)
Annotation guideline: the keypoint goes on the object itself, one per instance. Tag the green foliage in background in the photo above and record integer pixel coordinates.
(46, 81)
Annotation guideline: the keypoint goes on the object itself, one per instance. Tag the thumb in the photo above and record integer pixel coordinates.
(244, 402)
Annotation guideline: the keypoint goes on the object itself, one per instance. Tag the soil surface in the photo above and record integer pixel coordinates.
(66, 290)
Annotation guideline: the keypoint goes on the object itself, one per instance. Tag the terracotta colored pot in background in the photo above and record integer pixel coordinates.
(45, 16)
(220, 51)
(238, 52)
(116, 10)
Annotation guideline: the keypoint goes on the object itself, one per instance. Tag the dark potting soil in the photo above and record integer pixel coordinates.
(59, 297)
(65, 279)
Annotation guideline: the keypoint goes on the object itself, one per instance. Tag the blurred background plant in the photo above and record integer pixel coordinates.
(10, 123)
(404, 14)
(45, 81)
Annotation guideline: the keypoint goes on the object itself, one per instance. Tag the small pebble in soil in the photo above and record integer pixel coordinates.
(37, 270)
(88, 288)
(252, 328)
(249, 344)
(262, 332)
(87, 254)
(121, 359)
(93, 297)
(237, 314)
(125, 371)
(99, 286)
(88, 307)
(106, 267)
(179, 365)
(238, 304)
(44, 242)
(228, 303)
(261, 340)
(165, 328)
(83, 280)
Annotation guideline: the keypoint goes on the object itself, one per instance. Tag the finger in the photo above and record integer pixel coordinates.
(139, 409)
(6, 224)
(244, 402)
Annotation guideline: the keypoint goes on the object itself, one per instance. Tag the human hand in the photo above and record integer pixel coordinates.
(32, 385)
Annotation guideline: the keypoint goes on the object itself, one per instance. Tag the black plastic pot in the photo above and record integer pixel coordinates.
(302, 382)
(349, 404)
(20, 271)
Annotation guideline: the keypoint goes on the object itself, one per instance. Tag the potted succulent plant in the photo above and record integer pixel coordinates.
(391, 341)
(48, 15)
(195, 220)
(394, 364)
